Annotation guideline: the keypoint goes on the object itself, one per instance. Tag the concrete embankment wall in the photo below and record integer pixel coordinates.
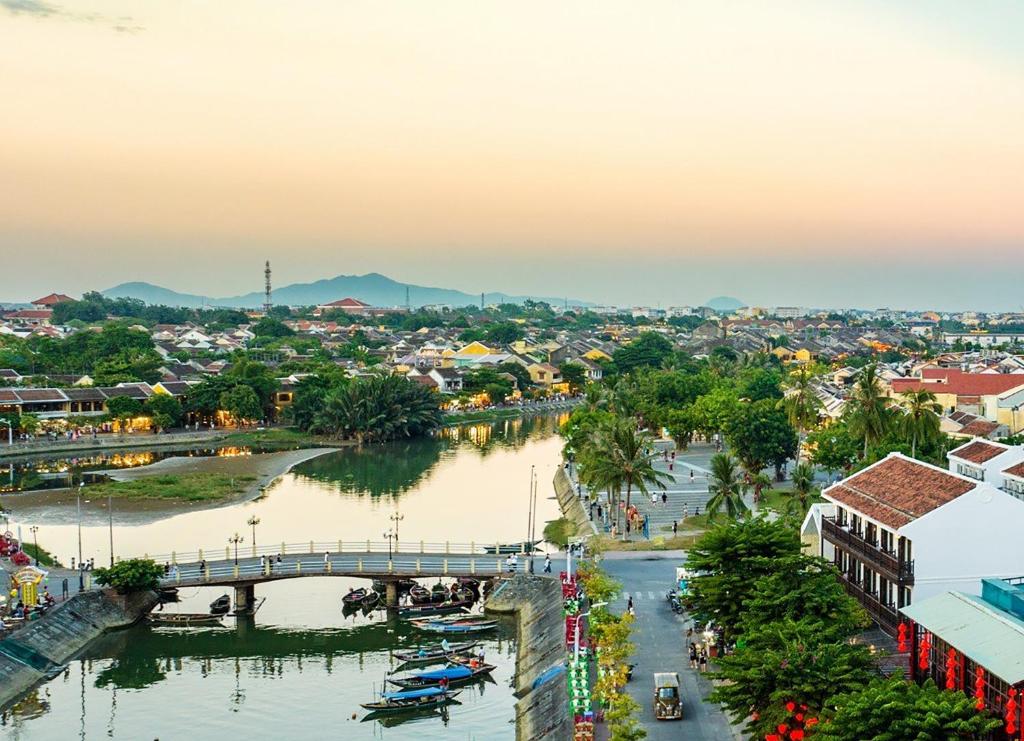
(30, 654)
(542, 713)
(570, 504)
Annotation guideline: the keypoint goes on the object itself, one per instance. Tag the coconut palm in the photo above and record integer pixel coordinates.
(801, 403)
(920, 419)
(799, 500)
(869, 407)
(727, 487)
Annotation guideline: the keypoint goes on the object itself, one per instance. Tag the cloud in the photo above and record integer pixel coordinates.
(41, 9)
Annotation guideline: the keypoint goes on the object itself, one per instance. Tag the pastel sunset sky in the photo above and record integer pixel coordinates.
(812, 152)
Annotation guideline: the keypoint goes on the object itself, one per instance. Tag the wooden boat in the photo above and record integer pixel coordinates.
(184, 619)
(426, 654)
(470, 627)
(393, 720)
(451, 619)
(419, 698)
(221, 605)
(370, 600)
(438, 593)
(455, 675)
(404, 585)
(418, 611)
(419, 595)
(507, 549)
(355, 596)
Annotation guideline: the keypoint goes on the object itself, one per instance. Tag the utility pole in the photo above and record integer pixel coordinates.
(408, 306)
(481, 301)
(110, 521)
(267, 304)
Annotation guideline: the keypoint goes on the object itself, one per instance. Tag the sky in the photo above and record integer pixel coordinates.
(815, 152)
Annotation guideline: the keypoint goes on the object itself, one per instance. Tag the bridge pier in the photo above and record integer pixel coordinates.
(391, 595)
(245, 598)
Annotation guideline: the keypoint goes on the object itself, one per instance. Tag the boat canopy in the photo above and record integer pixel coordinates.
(452, 672)
(413, 694)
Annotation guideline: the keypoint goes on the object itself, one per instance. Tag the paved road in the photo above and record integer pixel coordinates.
(659, 635)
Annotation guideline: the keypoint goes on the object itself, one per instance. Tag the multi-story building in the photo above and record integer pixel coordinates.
(902, 530)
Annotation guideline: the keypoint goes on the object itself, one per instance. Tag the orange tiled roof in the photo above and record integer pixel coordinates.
(977, 451)
(898, 490)
(1016, 470)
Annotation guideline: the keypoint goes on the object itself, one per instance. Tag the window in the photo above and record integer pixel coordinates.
(972, 472)
(1014, 487)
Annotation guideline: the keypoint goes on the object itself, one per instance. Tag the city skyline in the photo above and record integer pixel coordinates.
(812, 154)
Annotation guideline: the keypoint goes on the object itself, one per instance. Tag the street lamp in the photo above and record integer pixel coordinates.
(396, 518)
(35, 540)
(390, 535)
(81, 575)
(236, 539)
(576, 637)
(253, 522)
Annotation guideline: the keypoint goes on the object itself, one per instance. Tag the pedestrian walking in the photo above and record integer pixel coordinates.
(654, 499)
(664, 499)
(508, 565)
(547, 564)
(629, 604)
(691, 475)
(693, 655)
(600, 512)
(327, 558)
(703, 660)
(627, 527)
(675, 528)
(686, 511)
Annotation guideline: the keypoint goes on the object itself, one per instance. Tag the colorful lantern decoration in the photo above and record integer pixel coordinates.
(979, 687)
(901, 638)
(951, 669)
(926, 647)
(1011, 713)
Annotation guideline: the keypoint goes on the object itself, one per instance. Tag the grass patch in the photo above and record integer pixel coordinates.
(776, 499)
(43, 556)
(657, 543)
(283, 436)
(559, 531)
(188, 487)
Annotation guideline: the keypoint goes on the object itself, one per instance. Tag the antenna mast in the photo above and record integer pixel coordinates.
(266, 291)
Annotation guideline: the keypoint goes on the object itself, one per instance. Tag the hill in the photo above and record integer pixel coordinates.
(724, 303)
(373, 288)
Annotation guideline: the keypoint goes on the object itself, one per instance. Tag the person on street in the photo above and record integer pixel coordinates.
(664, 499)
(629, 605)
(702, 660)
(693, 655)
(547, 564)
(675, 528)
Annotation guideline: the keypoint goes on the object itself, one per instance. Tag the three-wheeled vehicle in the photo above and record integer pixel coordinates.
(668, 705)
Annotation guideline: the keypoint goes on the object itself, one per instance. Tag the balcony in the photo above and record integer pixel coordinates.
(883, 614)
(885, 563)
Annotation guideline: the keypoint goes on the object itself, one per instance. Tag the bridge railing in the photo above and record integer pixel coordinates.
(403, 547)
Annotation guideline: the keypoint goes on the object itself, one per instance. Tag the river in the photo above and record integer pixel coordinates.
(300, 669)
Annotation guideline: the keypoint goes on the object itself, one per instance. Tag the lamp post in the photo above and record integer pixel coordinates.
(35, 540)
(390, 535)
(236, 539)
(253, 522)
(576, 637)
(81, 575)
(110, 525)
(396, 518)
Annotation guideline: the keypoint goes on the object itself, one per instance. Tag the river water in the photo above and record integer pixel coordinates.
(300, 669)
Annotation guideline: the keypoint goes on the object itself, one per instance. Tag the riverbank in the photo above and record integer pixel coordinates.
(572, 506)
(39, 650)
(542, 711)
(498, 414)
(253, 474)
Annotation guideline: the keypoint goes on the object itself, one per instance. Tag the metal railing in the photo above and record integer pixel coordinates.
(885, 562)
(336, 547)
(885, 615)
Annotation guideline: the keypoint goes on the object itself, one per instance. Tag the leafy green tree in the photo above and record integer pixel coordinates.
(650, 350)
(920, 417)
(123, 409)
(270, 327)
(503, 333)
(681, 424)
(834, 448)
(757, 384)
(894, 709)
(242, 403)
(727, 487)
(784, 662)
(869, 418)
(713, 410)
(759, 434)
(803, 588)
(731, 557)
(132, 575)
(801, 496)
(520, 373)
(164, 410)
(378, 408)
(574, 374)
(308, 399)
(800, 403)
(487, 380)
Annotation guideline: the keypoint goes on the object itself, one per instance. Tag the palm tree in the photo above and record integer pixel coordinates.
(869, 405)
(920, 420)
(727, 487)
(625, 457)
(799, 500)
(760, 481)
(801, 403)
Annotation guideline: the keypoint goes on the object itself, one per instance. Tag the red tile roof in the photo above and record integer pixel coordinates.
(352, 303)
(979, 428)
(898, 490)
(954, 381)
(977, 451)
(52, 299)
(1016, 470)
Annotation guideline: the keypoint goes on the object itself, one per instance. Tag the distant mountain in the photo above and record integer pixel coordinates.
(372, 288)
(724, 303)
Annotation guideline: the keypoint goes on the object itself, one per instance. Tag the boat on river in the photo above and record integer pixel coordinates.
(419, 595)
(507, 549)
(448, 608)
(221, 605)
(455, 675)
(184, 619)
(419, 698)
(370, 600)
(481, 626)
(354, 597)
(430, 654)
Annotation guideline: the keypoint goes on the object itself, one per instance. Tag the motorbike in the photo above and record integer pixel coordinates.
(674, 602)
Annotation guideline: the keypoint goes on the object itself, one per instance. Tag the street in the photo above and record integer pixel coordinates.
(659, 635)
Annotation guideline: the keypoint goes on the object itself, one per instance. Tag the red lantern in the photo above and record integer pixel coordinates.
(773, 737)
(782, 728)
(790, 706)
(1011, 714)
(979, 687)
(926, 647)
(951, 669)
(796, 735)
(901, 637)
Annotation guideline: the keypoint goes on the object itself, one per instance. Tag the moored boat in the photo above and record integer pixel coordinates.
(417, 611)
(370, 600)
(454, 675)
(184, 619)
(414, 699)
(426, 654)
(354, 596)
(419, 595)
(463, 627)
(221, 605)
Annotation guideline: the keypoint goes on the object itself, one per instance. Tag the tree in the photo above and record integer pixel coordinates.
(800, 498)
(833, 448)
(308, 400)
(650, 349)
(800, 403)
(574, 374)
(920, 418)
(730, 557)
(123, 408)
(757, 383)
(893, 709)
(759, 434)
(714, 409)
(378, 408)
(681, 424)
(785, 662)
(520, 373)
(503, 333)
(869, 408)
(242, 403)
(270, 327)
(132, 575)
(726, 487)
(490, 381)
(164, 410)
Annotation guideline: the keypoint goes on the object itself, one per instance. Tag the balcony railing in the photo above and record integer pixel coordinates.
(886, 563)
(884, 614)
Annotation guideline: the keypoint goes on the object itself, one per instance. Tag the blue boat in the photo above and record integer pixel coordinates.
(475, 626)
(453, 675)
(415, 699)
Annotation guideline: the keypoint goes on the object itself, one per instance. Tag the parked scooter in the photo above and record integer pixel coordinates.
(674, 602)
